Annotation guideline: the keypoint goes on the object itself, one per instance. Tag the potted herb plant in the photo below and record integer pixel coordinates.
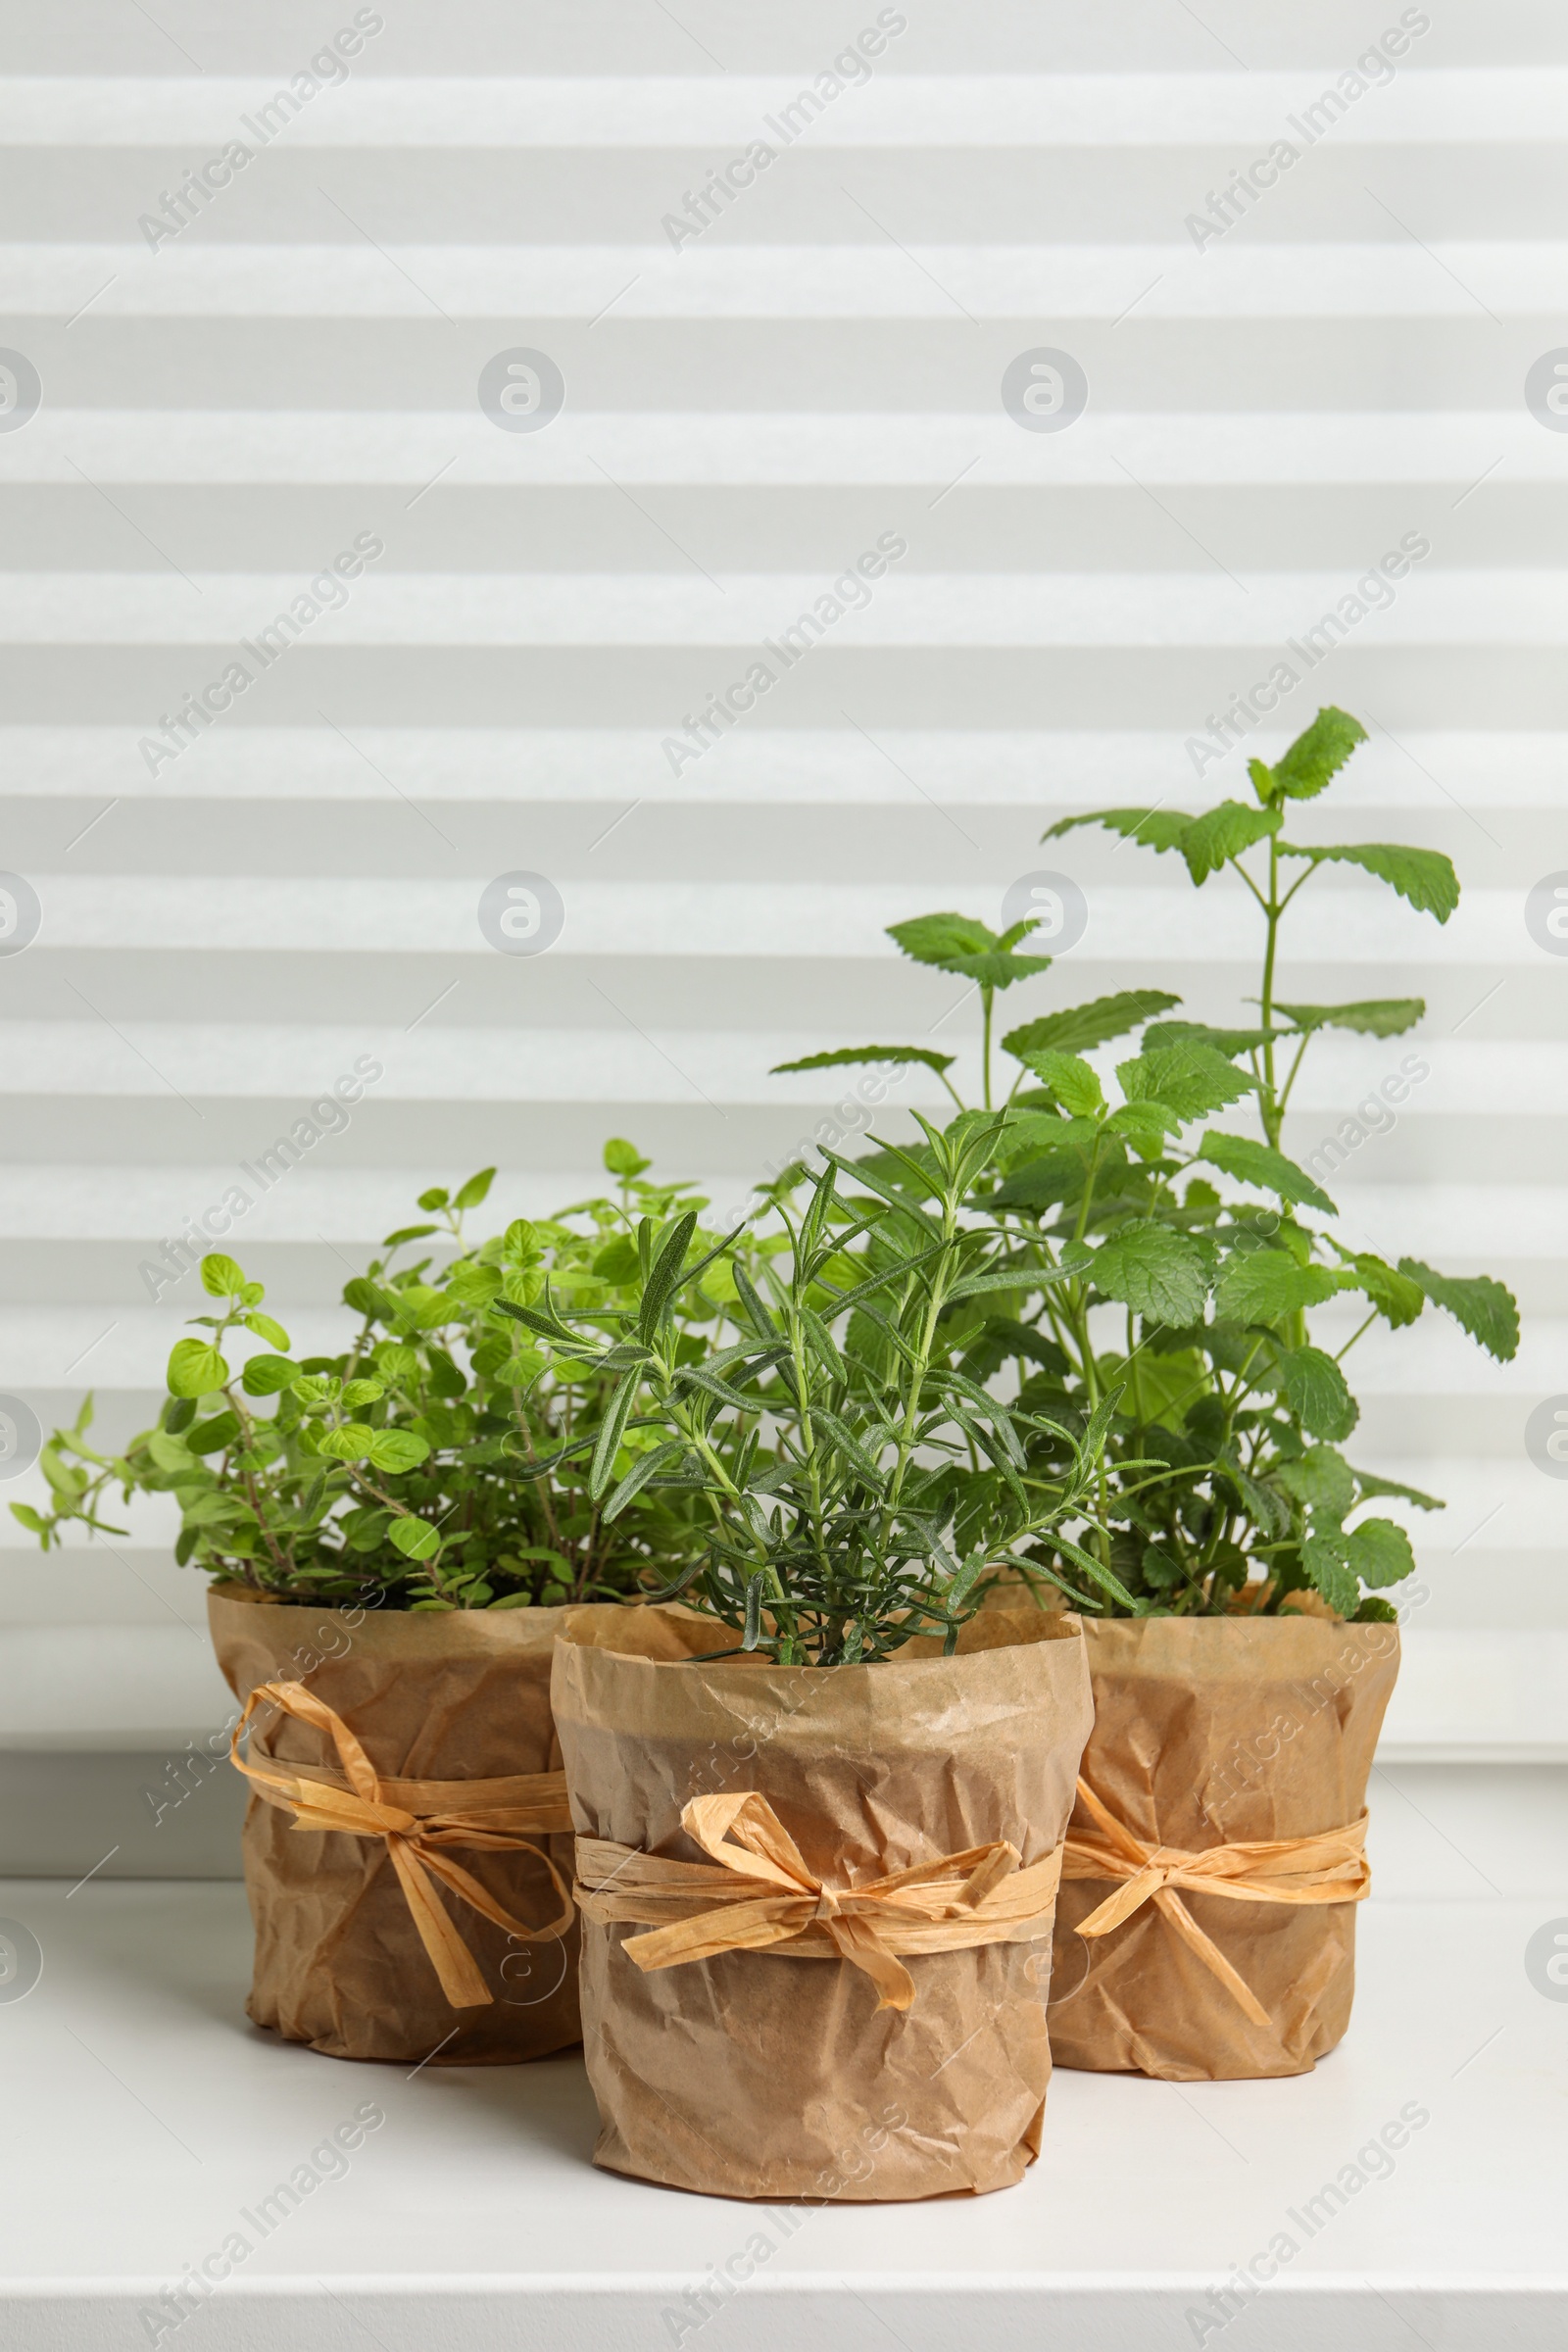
(1242, 1676)
(820, 1813)
(391, 1589)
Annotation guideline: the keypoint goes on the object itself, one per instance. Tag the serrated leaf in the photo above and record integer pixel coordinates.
(1223, 833)
(1488, 1310)
(1267, 1284)
(1072, 1080)
(1192, 1078)
(1079, 1027)
(1327, 1564)
(1314, 759)
(1229, 1042)
(1152, 828)
(195, 1369)
(1380, 1552)
(1322, 1481)
(1316, 1392)
(1376, 1016)
(1146, 1126)
(1425, 877)
(1398, 1298)
(1371, 1485)
(847, 1057)
(1257, 1163)
(1156, 1272)
(222, 1277)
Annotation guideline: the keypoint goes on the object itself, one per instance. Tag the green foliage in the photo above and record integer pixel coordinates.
(1222, 1487)
(406, 1464)
(858, 1485)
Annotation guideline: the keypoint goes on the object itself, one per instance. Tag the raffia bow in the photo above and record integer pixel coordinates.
(762, 1895)
(418, 1819)
(1329, 1866)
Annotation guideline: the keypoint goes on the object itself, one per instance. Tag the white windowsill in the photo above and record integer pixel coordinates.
(472, 2216)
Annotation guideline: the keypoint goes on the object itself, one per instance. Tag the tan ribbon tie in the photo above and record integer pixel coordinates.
(763, 1894)
(493, 1816)
(1328, 1867)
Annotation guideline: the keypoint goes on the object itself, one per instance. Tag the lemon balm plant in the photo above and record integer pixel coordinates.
(857, 1487)
(1187, 1259)
(389, 1467)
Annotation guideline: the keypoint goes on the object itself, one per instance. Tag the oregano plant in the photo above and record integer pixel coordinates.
(856, 1486)
(1185, 1252)
(389, 1467)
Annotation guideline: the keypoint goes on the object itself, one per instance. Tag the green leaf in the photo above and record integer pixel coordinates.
(397, 1449)
(195, 1369)
(436, 1197)
(847, 1055)
(29, 1518)
(212, 1435)
(646, 1467)
(665, 1276)
(221, 1278)
(1229, 1042)
(1488, 1310)
(1313, 760)
(266, 1329)
(408, 1233)
(1370, 1485)
(475, 1190)
(1377, 1016)
(1223, 833)
(1380, 1552)
(1321, 1480)
(1398, 1298)
(623, 1160)
(956, 943)
(366, 1299)
(618, 1262)
(416, 1538)
(1266, 1285)
(1146, 1126)
(1422, 877)
(1081, 1026)
(1252, 1162)
(351, 1441)
(610, 1432)
(364, 1392)
(265, 1375)
(1150, 828)
(1156, 1272)
(1072, 1080)
(1316, 1390)
(1192, 1079)
(1326, 1560)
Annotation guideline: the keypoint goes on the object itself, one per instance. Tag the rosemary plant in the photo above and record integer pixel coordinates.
(857, 1487)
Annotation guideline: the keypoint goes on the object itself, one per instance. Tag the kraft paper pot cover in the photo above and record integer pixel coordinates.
(756, 2073)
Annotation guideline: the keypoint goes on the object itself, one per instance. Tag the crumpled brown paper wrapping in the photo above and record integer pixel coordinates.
(456, 1696)
(1210, 1731)
(754, 2075)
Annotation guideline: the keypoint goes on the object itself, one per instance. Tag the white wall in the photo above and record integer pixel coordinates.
(743, 417)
